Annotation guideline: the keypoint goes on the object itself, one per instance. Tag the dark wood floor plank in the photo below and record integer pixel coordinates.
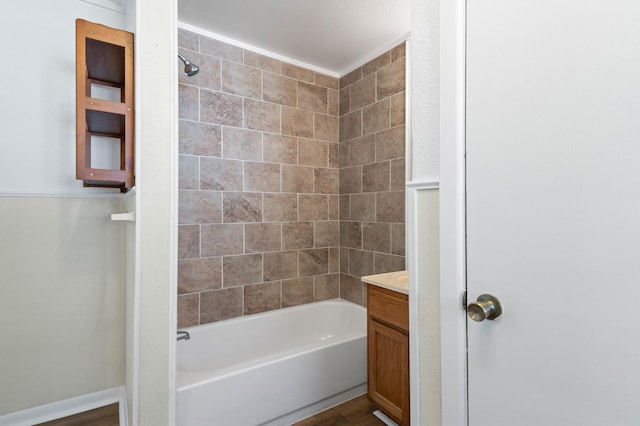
(358, 411)
(104, 416)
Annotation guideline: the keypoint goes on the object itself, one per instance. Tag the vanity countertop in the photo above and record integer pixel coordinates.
(396, 281)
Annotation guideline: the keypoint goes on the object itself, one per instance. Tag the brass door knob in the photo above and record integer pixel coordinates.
(486, 307)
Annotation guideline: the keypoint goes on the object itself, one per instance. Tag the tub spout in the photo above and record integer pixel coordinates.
(183, 335)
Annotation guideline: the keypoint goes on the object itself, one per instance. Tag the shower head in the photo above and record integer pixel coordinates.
(189, 69)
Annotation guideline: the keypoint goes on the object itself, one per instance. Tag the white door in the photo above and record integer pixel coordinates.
(553, 211)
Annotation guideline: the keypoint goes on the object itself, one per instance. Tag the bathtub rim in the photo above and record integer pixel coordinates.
(189, 379)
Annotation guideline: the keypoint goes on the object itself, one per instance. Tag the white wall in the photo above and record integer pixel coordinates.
(423, 212)
(61, 288)
(38, 94)
(61, 299)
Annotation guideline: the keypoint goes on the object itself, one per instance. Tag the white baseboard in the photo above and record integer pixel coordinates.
(69, 407)
(384, 418)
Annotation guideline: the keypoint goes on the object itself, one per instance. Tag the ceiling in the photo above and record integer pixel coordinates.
(331, 36)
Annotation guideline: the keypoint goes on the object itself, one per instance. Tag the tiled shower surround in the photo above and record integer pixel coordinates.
(290, 181)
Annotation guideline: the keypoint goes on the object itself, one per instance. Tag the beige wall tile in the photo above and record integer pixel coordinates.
(297, 179)
(241, 144)
(360, 263)
(326, 127)
(398, 239)
(334, 260)
(297, 235)
(312, 97)
(313, 152)
(390, 144)
(188, 241)
(376, 177)
(188, 310)
(263, 62)
(351, 180)
(241, 207)
(398, 109)
(195, 275)
(220, 108)
(188, 40)
(261, 177)
(333, 105)
(334, 155)
(326, 287)
(241, 80)
(377, 63)
(363, 92)
(298, 73)
(199, 139)
(280, 90)
(296, 122)
(376, 117)
(398, 52)
(297, 291)
(363, 207)
(390, 207)
(263, 237)
(327, 234)
(280, 265)
(313, 262)
(326, 81)
(388, 263)
(345, 207)
(189, 172)
(313, 207)
(397, 174)
(261, 116)
(241, 270)
(279, 148)
(362, 150)
(280, 207)
(344, 153)
(325, 181)
(345, 101)
(188, 102)
(220, 175)
(222, 239)
(220, 49)
(350, 125)
(391, 79)
(376, 237)
(199, 207)
(334, 207)
(218, 305)
(344, 259)
(351, 77)
(262, 297)
(351, 234)
(351, 289)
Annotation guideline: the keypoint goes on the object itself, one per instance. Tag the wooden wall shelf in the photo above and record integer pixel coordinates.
(104, 103)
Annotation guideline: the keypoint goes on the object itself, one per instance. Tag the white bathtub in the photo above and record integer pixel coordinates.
(272, 368)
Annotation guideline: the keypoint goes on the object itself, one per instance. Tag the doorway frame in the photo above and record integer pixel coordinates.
(453, 323)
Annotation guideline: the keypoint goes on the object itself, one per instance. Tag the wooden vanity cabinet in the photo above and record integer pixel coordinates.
(388, 352)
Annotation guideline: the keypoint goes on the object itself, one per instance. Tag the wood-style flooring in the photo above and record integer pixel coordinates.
(103, 416)
(358, 411)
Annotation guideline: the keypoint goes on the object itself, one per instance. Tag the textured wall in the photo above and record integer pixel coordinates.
(372, 171)
(285, 175)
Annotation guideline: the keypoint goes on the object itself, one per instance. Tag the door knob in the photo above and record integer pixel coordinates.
(486, 307)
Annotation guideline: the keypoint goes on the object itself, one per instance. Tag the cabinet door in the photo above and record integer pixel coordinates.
(389, 370)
